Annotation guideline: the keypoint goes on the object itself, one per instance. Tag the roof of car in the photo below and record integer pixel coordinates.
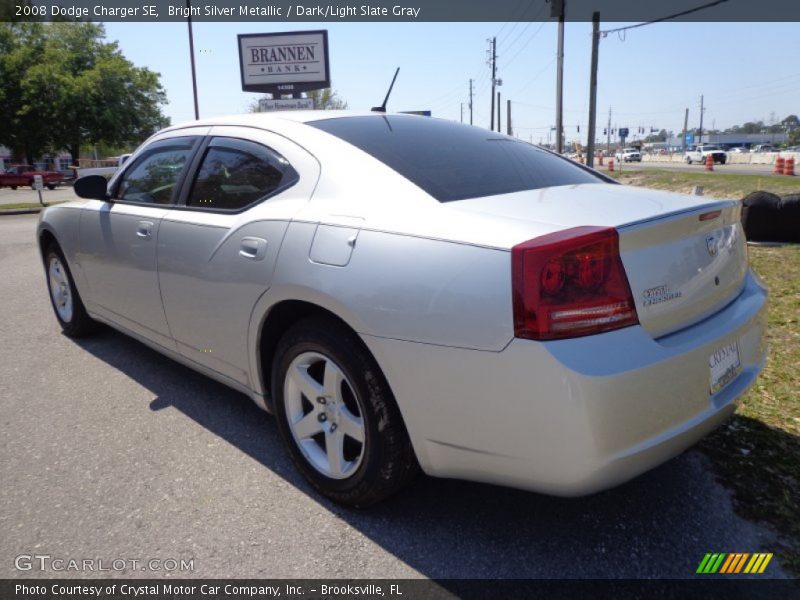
(264, 119)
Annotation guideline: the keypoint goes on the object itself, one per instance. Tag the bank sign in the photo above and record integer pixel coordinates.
(284, 63)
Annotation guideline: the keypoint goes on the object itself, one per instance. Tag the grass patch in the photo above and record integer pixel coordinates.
(757, 453)
(716, 185)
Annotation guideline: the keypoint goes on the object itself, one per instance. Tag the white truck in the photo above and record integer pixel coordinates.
(698, 154)
(107, 171)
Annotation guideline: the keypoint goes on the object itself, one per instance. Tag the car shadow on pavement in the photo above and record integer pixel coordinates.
(658, 525)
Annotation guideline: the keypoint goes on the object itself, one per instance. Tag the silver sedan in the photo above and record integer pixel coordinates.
(405, 292)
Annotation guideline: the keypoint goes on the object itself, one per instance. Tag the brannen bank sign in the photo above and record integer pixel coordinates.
(284, 63)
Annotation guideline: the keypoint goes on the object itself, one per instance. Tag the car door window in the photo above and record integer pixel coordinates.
(237, 173)
(153, 177)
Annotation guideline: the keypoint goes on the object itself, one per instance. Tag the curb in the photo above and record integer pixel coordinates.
(21, 211)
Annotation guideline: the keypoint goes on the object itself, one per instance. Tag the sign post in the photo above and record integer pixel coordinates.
(623, 133)
(38, 185)
(287, 63)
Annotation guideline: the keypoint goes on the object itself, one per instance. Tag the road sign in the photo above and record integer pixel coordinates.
(623, 132)
(690, 137)
(266, 104)
(38, 182)
(284, 63)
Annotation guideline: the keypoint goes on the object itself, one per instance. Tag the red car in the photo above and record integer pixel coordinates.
(18, 175)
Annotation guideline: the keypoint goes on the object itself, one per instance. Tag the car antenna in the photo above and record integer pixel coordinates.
(382, 107)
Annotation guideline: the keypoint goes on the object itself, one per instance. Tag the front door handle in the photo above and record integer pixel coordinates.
(253, 248)
(144, 229)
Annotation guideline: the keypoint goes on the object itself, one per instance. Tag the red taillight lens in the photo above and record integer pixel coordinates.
(569, 284)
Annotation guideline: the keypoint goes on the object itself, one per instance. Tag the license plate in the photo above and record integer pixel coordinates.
(724, 365)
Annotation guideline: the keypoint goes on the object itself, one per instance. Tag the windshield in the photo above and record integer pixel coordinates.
(451, 161)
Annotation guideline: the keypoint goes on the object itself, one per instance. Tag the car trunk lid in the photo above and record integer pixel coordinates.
(685, 256)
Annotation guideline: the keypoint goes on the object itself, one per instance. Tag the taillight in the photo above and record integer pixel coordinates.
(570, 283)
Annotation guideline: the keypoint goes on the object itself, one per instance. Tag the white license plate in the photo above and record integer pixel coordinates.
(724, 365)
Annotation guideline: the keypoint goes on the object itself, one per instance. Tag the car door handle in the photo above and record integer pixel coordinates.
(253, 248)
(144, 229)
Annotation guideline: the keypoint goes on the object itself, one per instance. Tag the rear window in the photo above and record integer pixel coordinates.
(451, 161)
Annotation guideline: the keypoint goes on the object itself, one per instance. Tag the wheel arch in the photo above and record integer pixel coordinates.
(274, 323)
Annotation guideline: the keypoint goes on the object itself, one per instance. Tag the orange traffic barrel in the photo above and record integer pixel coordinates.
(788, 167)
(779, 164)
(610, 164)
(709, 163)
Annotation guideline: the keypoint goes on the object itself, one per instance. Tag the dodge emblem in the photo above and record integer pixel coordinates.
(711, 244)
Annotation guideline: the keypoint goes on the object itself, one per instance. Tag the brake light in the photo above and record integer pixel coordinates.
(570, 283)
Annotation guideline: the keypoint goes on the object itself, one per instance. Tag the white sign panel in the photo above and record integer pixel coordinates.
(38, 182)
(284, 63)
(265, 104)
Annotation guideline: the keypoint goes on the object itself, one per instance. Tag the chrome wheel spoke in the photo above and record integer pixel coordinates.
(305, 383)
(333, 381)
(334, 446)
(351, 425)
(308, 425)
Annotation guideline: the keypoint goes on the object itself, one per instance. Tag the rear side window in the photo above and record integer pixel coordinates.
(451, 161)
(236, 173)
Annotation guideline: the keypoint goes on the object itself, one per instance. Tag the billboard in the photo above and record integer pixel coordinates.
(284, 63)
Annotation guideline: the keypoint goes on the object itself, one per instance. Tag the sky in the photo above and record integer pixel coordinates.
(647, 76)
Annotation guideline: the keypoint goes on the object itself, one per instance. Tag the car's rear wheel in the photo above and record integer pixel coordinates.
(66, 301)
(13, 187)
(51, 186)
(337, 415)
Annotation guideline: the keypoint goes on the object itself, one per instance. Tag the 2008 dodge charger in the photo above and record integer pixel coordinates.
(406, 292)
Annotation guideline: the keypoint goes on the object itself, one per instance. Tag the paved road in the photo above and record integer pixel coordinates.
(110, 450)
(696, 168)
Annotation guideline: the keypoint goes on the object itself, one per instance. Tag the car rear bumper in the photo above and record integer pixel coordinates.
(571, 417)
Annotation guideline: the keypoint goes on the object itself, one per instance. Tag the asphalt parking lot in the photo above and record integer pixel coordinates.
(110, 450)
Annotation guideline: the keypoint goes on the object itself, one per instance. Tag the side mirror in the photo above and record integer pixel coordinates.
(93, 187)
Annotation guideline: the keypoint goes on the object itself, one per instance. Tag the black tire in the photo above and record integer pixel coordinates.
(688, 161)
(13, 187)
(387, 460)
(51, 186)
(79, 323)
(761, 216)
(788, 228)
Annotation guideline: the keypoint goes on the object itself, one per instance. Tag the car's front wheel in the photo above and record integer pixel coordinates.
(337, 415)
(66, 301)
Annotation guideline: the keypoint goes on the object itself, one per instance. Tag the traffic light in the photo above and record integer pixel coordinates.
(605, 131)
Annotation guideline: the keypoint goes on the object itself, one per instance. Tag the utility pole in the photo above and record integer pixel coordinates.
(701, 120)
(470, 101)
(509, 130)
(557, 8)
(191, 56)
(493, 42)
(685, 127)
(499, 128)
(593, 88)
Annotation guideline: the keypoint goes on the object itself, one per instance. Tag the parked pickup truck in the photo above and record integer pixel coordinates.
(699, 153)
(629, 155)
(19, 175)
(106, 171)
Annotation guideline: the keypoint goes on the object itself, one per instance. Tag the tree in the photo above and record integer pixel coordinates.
(64, 87)
(325, 99)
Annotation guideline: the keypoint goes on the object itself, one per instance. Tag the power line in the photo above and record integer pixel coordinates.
(667, 18)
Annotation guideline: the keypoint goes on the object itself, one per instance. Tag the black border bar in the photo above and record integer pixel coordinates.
(331, 11)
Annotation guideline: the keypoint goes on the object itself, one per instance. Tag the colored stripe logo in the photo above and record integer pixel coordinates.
(734, 563)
